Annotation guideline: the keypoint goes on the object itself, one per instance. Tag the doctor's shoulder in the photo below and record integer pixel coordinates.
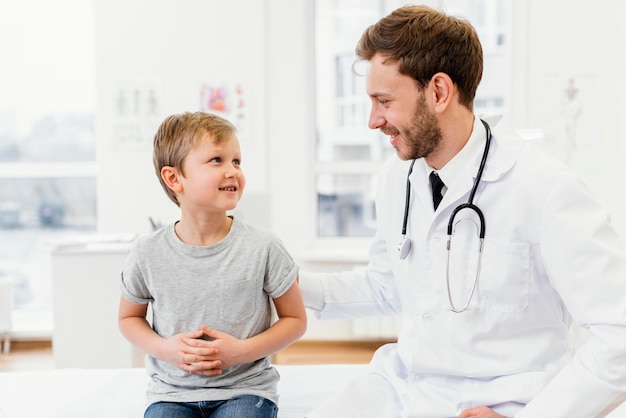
(542, 179)
(530, 150)
(537, 156)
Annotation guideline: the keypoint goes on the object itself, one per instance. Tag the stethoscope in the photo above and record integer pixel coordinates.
(404, 247)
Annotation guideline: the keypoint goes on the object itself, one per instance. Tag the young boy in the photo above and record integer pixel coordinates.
(208, 278)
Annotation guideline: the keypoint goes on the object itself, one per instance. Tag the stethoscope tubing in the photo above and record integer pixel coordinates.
(405, 244)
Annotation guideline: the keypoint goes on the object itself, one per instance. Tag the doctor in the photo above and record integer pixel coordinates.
(485, 324)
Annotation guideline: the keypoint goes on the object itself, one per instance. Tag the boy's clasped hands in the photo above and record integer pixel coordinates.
(194, 353)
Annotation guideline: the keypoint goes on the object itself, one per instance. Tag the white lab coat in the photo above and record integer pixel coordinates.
(551, 259)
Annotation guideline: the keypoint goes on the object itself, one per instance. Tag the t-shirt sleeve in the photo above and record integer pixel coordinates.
(133, 285)
(281, 269)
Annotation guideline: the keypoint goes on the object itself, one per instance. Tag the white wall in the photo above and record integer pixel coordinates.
(291, 129)
(175, 47)
(560, 39)
(268, 44)
(178, 46)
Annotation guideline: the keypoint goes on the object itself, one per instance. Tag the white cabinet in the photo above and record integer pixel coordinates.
(86, 283)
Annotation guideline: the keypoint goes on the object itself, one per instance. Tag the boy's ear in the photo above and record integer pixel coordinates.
(170, 176)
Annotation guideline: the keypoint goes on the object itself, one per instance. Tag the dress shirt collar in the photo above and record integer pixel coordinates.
(450, 172)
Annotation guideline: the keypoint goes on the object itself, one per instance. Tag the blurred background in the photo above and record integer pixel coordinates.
(85, 83)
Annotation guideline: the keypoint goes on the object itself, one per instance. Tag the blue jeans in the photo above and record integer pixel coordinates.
(248, 406)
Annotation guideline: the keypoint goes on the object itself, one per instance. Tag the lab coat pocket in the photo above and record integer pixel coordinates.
(238, 300)
(504, 281)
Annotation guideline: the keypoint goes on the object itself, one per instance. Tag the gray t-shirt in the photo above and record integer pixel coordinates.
(225, 286)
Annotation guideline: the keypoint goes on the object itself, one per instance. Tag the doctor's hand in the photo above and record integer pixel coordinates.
(224, 348)
(480, 412)
(175, 350)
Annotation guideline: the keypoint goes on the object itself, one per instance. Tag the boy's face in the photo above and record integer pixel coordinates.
(213, 177)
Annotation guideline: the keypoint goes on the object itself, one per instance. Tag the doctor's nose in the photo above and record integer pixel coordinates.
(376, 120)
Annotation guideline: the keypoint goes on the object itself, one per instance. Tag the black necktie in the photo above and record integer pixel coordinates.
(436, 184)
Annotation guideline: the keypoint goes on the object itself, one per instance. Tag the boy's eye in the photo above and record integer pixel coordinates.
(215, 160)
(237, 162)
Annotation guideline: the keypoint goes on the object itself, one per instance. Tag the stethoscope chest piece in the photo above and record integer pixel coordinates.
(404, 248)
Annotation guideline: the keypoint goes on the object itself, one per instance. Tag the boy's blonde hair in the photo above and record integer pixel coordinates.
(180, 133)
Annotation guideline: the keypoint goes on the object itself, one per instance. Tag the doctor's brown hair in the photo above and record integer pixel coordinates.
(423, 42)
(180, 133)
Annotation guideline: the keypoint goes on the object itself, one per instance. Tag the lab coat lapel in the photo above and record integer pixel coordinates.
(505, 147)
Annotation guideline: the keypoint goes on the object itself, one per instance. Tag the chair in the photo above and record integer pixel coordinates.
(6, 307)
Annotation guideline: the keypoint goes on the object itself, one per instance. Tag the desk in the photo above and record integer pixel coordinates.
(85, 289)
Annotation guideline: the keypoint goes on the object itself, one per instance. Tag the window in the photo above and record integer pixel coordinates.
(47, 139)
(349, 154)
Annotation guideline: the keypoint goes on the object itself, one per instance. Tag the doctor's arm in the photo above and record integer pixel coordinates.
(371, 290)
(353, 293)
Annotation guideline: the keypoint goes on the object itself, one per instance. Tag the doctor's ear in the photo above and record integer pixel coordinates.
(443, 91)
(170, 176)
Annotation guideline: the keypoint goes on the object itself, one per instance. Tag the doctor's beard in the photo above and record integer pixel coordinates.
(423, 136)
